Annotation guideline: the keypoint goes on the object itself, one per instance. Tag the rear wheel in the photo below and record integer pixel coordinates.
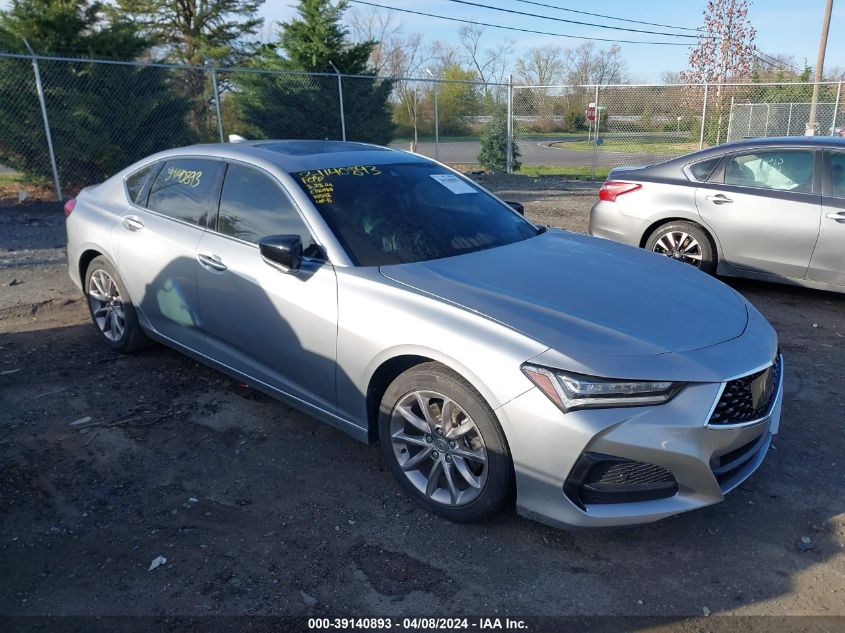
(111, 309)
(444, 445)
(685, 242)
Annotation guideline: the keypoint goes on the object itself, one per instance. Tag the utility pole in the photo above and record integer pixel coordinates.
(812, 123)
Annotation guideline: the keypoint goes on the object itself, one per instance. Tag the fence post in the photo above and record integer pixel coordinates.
(789, 120)
(40, 88)
(217, 101)
(836, 108)
(509, 151)
(436, 124)
(596, 137)
(340, 97)
(703, 117)
(730, 120)
(750, 117)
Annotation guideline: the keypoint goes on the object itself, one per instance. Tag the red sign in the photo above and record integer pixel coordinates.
(591, 113)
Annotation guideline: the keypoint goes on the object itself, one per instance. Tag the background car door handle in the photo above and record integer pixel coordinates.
(719, 198)
(211, 261)
(133, 222)
(839, 216)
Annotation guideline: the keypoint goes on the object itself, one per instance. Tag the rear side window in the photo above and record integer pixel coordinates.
(780, 170)
(253, 205)
(183, 189)
(702, 170)
(837, 174)
(135, 182)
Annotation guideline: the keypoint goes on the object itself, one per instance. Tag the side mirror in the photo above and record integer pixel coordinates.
(282, 250)
(516, 207)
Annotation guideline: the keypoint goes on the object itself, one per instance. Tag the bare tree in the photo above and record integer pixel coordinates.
(541, 66)
(375, 26)
(406, 56)
(586, 66)
(490, 63)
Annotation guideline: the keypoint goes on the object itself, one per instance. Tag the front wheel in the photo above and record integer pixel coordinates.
(111, 309)
(444, 445)
(685, 242)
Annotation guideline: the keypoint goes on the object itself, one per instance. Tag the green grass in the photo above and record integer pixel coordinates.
(576, 172)
(9, 179)
(633, 146)
(520, 136)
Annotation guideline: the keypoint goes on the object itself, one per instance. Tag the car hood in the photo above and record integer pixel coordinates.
(583, 295)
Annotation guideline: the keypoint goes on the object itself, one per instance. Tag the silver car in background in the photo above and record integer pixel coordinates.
(770, 209)
(398, 301)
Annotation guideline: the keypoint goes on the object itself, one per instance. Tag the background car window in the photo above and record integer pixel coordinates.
(837, 175)
(702, 170)
(135, 182)
(253, 205)
(401, 213)
(783, 170)
(183, 188)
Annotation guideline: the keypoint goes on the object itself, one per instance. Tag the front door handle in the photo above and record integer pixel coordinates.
(211, 261)
(838, 216)
(719, 198)
(133, 222)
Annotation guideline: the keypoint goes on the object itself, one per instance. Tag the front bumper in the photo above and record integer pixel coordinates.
(707, 461)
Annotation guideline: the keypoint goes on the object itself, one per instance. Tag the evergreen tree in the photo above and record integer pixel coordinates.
(301, 106)
(102, 117)
(494, 144)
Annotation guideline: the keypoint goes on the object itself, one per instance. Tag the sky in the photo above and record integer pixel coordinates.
(783, 26)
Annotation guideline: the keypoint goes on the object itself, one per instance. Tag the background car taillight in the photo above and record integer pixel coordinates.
(611, 189)
(69, 206)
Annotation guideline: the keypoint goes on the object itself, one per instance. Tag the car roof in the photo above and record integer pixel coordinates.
(300, 155)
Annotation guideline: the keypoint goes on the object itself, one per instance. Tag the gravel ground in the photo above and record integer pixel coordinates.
(259, 509)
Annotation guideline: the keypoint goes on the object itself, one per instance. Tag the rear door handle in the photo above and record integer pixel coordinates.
(211, 261)
(133, 222)
(838, 216)
(719, 198)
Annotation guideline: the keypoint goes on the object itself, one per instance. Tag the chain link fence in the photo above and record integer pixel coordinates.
(67, 123)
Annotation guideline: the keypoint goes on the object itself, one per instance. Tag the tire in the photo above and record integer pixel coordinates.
(469, 433)
(696, 249)
(110, 306)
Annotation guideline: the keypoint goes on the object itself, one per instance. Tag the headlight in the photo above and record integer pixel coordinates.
(575, 391)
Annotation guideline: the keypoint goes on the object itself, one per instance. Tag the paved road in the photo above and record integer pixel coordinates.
(535, 153)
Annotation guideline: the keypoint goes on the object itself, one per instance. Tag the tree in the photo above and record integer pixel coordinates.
(494, 144)
(307, 106)
(541, 66)
(456, 100)
(96, 129)
(490, 63)
(196, 32)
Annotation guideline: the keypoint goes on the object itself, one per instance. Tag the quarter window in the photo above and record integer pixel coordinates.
(782, 170)
(135, 182)
(253, 205)
(183, 189)
(702, 170)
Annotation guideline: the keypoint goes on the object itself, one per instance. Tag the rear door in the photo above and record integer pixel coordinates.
(764, 206)
(156, 241)
(828, 262)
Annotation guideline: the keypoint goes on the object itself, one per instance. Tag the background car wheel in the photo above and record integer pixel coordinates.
(444, 445)
(111, 309)
(686, 242)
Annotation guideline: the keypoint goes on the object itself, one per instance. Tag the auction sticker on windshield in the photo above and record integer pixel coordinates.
(453, 183)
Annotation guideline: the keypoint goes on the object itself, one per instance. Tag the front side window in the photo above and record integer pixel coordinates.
(781, 170)
(402, 213)
(135, 182)
(253, 205)
(183, 189)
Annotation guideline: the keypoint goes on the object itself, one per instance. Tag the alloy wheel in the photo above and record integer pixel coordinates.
(439, 448)
(679, 245)
(106, 305)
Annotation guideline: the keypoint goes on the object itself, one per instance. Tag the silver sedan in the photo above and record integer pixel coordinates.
(395, 299)
(770, 209)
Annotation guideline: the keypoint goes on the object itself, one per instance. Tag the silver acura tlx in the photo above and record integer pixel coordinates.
(397, 300)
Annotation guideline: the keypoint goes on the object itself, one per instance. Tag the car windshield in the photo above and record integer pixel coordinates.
(403, 213)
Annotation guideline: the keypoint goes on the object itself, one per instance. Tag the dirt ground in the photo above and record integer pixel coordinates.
(259, 509)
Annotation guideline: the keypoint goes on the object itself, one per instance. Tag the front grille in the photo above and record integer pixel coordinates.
(747, 398)
(598, 478)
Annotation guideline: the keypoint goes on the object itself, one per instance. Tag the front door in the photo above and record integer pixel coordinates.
(828, 263)
(764, 208)
(277, 327)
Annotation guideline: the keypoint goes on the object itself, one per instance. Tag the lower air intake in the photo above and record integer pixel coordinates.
(598, 478)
